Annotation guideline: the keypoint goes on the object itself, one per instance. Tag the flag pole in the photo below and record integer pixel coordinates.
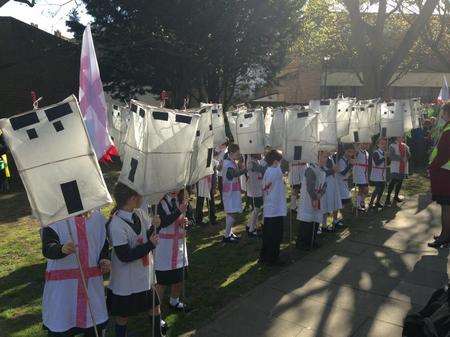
(155, 293)
(184, 255)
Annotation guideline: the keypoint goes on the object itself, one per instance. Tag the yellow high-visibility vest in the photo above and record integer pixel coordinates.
(434, 153)
(4, 158)
(4, 164)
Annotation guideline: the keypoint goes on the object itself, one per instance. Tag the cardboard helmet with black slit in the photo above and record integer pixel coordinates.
(250, 131)
(158, 149)
(364, 123)
(302, 135)
(396, 118)
(327, 110)
(56, 161)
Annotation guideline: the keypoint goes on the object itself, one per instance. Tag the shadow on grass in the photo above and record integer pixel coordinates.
(19, 290)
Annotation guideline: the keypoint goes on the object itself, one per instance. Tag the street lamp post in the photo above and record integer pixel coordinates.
(326, 60)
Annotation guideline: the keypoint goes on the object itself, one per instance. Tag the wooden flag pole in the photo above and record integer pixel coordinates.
(185, 200)
(155, 293)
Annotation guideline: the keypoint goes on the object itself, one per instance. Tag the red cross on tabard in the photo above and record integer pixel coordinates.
(175, 236)
(145, 259)
(75, 274)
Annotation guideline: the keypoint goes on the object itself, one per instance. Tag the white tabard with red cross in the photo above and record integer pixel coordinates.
(64, 301)
(231, 189)
(171, 251)
(129, 277)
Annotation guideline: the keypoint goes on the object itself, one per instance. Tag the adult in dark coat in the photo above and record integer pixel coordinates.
(440, 178)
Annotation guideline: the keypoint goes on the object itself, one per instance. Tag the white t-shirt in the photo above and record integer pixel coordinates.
(274, 193)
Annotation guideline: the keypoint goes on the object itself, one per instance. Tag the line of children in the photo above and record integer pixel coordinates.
(324, 188)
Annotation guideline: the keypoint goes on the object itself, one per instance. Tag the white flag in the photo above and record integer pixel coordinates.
(92, 100)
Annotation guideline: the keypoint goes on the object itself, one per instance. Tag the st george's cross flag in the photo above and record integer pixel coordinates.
(444, 94)
(92, 101)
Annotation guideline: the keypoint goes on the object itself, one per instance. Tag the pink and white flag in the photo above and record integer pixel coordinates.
(444, 94)
(92, 101)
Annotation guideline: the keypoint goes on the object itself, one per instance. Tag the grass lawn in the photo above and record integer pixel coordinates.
(218, 273)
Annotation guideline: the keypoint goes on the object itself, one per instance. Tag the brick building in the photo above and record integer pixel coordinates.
(297, 84)
(34, 60)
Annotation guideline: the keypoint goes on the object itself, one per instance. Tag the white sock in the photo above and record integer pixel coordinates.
(253, 220)
(229, 220)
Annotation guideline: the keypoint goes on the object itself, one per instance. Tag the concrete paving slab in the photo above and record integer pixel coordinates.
(376, 328)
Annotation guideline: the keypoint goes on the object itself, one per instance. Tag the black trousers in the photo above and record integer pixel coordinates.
(394, 183)
(199, 209)
(220, 186)
(378, 192)
(307, 233)
(272, 235)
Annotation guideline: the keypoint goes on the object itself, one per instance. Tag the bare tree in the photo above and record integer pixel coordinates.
(368, 40)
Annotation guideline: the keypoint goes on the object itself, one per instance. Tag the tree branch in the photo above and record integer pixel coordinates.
(409, 39)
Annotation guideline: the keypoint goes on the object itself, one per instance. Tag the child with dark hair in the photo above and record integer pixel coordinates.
(399, 155)
(232, 169)
(130, 291)
(378, 173)
(275, 208)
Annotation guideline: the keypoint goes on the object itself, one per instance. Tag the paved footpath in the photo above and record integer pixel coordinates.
(362, 285)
